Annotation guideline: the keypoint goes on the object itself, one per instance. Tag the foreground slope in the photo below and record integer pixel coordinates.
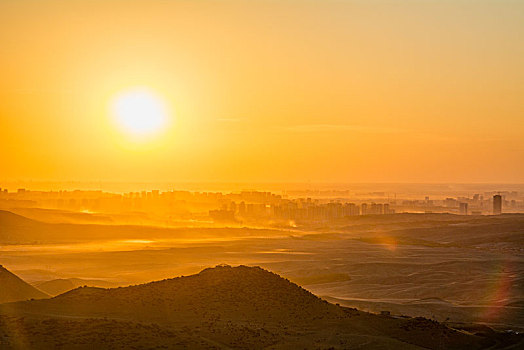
(13, 288)
(223, 307)
(88, 334)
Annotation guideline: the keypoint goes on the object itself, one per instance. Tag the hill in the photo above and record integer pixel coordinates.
(62, 285)
(241, 293)
(241, 307)
(17, 229)
(62, 216)
(12, 288)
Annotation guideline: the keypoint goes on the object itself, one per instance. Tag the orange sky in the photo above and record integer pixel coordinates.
(291, 91)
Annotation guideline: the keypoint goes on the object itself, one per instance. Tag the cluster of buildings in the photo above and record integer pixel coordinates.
(496, 210)
(252, 205)
(489, 203)
(299, 210)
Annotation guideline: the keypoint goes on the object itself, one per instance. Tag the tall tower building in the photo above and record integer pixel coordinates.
(497, 204)
(463, 207)
(364, 209)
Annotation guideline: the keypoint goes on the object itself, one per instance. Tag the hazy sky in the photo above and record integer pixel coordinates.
(323, 91)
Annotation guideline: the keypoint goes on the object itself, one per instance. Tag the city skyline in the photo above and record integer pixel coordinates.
(257, 206)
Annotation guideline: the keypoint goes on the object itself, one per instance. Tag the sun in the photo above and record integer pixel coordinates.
(140, 111)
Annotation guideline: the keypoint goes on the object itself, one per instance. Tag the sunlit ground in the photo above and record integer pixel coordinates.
(448, 275)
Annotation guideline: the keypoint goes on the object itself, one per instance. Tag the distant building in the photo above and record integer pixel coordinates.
(451, 202)
(242, 208)
(463, 208)
(497, 204)
(222, 215)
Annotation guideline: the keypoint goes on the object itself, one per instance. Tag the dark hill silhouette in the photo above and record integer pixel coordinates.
(13, 288)
(241, 293)
(243, 307)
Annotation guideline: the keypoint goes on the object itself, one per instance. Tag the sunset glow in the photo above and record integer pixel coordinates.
(425, 92)
(140, 112)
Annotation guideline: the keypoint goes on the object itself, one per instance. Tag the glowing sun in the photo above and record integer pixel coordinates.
(140, 111)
